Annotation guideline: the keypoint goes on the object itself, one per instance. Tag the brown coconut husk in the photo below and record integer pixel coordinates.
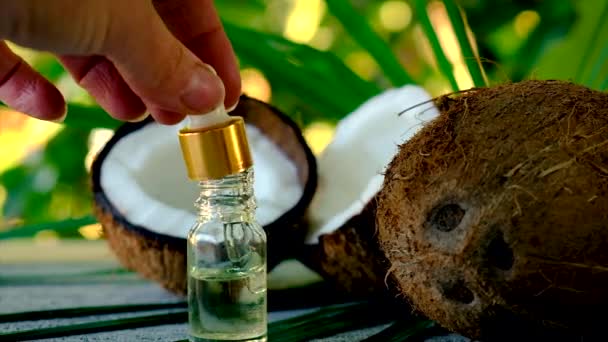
(494, 217)
(350, 259)
(162, 258)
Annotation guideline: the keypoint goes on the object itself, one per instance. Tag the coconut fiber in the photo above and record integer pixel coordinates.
(494, 216)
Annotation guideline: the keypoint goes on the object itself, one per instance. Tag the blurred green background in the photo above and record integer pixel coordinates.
(316, 60)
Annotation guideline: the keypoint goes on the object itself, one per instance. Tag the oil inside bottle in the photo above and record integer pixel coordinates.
(228, 304)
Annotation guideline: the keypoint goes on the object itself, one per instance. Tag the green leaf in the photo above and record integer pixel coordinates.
(444, 64)
(89, 117)
(97, 326)
(318, 78)
(329, 321)
(597, 67)
(358, 27)
(591, 44)
(459, 27)
(87, 311)
(68, 225)
(49, 67)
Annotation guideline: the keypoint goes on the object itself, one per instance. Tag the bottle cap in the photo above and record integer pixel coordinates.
(215, 146)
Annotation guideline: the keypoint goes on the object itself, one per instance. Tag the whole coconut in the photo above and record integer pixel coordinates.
(494, 217)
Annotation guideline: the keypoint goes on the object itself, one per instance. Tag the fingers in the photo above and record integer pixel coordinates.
(197, 23)
(100, 78)
(167, 76)
(25, 90)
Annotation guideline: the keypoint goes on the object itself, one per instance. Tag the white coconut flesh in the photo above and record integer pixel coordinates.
(351, 167)
(145, 179)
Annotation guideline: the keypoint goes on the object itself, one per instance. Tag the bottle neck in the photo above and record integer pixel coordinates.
(230, 198)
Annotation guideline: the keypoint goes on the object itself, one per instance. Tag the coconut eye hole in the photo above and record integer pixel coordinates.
(499, 253)
(446, 217)
(458, 292)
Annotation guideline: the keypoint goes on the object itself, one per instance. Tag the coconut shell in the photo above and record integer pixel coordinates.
(162, 258)
(349, 258)
(494, 217)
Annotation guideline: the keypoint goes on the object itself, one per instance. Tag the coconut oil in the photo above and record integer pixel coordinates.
(228, 305)
(227, 264)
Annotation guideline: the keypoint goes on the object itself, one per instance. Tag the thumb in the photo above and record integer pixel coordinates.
(164, 73)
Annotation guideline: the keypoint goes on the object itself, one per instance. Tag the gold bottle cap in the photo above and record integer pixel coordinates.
(216, 151)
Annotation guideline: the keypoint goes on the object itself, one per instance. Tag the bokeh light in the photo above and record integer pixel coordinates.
(525, 22)
(97, 140)
(318, 135)
(303, 20)
(20, 135)
(395, 15)
(449, 43)
(362, 64)
(324, 38)
(255, 84)
(91, 231)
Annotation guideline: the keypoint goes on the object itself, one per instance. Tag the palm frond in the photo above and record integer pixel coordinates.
(459, 27)
(68, 225)
(359, 29)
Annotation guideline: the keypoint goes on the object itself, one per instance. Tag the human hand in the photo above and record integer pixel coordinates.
(133, 57)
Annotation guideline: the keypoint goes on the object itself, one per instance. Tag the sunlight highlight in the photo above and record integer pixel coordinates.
(20, 135)
(525, 22)
(449, 43)
(395, 15)
(324, 38)
(97, 140)
(303, 20)
(255, 84)
(91, 231)
(362, 64)
(318, 135)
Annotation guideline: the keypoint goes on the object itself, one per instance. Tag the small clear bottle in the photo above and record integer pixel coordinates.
(226, 247)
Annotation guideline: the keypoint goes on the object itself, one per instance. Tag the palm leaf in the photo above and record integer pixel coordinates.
(444, 64)
(329, 321)
(86, 117)
(64, 226)
(597, 67)
(86, 311)
(591, 44)
(358, 27)
(459, 27)
(305, 71)
(89, 117)
(97, 326)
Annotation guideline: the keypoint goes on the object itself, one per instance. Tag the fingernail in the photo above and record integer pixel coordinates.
(204, 86)
(231, 108)
(140, 118)
(210, 68)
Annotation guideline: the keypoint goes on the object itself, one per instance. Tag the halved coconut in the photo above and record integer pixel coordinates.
(144, 199)
(340, 244)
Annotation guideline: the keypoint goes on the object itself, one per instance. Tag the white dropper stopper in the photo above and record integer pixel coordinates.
(212, 118)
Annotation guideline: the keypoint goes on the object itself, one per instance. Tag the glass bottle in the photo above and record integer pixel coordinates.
(226, 247)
